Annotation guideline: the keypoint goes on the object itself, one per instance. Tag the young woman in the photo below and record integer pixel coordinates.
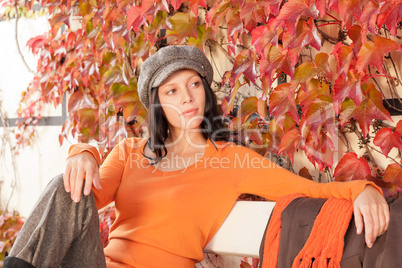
(173, 190)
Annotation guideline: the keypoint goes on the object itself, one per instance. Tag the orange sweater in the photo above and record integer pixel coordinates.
(165, 219)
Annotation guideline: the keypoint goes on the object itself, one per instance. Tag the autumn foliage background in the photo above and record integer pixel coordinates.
(338, 58)
(322, 69)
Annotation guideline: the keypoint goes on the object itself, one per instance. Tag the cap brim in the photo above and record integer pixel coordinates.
(183, 64)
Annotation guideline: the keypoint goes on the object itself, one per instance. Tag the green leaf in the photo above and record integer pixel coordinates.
(113, 75)
(303, 73)
(252, 13)
(348, 109)
(182, 26)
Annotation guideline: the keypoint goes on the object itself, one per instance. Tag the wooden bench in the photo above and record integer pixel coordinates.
(242, 231)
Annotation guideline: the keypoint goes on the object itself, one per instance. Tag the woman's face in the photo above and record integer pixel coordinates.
(182, 97)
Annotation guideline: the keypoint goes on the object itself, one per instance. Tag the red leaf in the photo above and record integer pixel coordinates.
(245, 63)
(355, 33)
(349, 10)
(282, 102)
(390, 15)
(320, 114)
(252, 13)
(272, 6)
(347, 88)
(387, 139)
(399, 127)
(319, 150)
(235, 25)
(372, 53)
(393, 174)
(292, 10)
(263, 36)
(218, 12)
(36, 43)
(370, 108)
(368, 17)
(343, 55)
(352, 168)
(290, 143)
(272, 61)
(306, 34)
(134, 18)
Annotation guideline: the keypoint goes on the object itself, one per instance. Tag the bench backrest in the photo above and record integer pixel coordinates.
(243, 229)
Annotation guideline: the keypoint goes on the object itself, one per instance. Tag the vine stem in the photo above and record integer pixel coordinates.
(18, 43)
(329, 23)
(329, 15)
(378, 151)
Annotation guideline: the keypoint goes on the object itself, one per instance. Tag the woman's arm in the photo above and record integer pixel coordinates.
(257, 175)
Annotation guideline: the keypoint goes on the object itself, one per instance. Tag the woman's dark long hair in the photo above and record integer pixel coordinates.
(212, 126)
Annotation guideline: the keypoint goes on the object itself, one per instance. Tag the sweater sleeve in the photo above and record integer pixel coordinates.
(257, 175)
(111, 171)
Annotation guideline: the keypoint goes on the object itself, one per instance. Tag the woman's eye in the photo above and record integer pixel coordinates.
(169, 92)
(195, 84)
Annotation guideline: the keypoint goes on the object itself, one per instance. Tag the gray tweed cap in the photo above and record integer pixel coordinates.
(158, 67)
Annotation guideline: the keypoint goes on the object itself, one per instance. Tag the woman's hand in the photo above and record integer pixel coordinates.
(371, 209)
(81, 167)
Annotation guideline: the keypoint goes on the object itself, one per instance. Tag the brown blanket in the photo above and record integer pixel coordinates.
(298, 220)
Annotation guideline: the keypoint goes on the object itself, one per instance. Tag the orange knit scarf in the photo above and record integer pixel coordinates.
(324, 247)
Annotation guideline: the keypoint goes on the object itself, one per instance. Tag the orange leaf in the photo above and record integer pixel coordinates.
(393, 174)
(282, 102)
(372, 53)
(290, 143)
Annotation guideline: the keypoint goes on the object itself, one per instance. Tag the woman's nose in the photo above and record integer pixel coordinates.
(186, 96)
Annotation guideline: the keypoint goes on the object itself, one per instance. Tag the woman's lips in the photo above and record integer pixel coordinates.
(190, 112)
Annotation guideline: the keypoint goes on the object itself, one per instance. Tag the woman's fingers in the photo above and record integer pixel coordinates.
(78, 185)
(66, 178)
(358, 220)
(371, 211)
(80, 168)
